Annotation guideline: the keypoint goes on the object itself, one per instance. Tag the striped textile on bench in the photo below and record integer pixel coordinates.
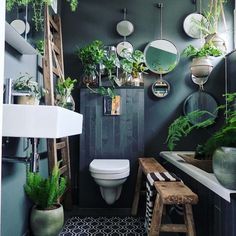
(151, 192)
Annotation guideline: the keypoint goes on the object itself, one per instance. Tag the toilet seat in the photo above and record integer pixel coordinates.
(109, 166)
(110, 176)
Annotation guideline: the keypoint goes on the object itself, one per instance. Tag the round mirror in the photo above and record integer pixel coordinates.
(193, 24)
(201, 101)
(125, 28)
(161, 56)
(161, 88)
(123, 48)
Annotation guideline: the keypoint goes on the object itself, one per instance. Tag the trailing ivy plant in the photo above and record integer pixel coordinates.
(38, 9)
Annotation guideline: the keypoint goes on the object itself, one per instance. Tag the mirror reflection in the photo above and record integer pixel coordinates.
(200, 101)
(161, 56)
(160, 88)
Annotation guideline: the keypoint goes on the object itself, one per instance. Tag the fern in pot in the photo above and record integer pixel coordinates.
(47, 215)
(220, 147)
(201, 65)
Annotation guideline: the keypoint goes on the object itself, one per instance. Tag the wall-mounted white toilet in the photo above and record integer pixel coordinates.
(110, 174)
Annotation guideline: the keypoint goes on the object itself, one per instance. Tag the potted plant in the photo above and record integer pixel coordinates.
(38, 9)
(91, 57)
(96, 60)
(210, 24)
(28, 91)
(63, 93)
(134, 64)
(47, 215)
(220, 146)
(201, 65)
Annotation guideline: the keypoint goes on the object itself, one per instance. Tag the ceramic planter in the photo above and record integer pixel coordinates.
(47, 222)
(27, 100)
(217, 41)
(224, 166)
(201, 67)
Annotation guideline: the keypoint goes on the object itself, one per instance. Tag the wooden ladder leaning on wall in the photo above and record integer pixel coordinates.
(53, 70)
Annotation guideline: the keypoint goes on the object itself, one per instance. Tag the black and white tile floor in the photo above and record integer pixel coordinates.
(104, 226)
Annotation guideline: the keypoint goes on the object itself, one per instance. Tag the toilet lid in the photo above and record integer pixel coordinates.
(109, 166)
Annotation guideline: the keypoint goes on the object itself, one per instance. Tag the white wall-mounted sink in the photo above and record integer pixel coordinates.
(40, 121)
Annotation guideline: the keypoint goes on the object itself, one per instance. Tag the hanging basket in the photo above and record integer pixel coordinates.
(217, 41)
(201, 67)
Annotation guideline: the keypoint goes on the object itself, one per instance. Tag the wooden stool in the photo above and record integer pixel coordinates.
(146, 165)
(171, 193)
(168, 193)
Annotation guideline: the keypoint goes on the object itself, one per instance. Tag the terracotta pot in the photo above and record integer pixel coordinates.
(47, 222)
(224, 166)
(201, 67)
(27, 100)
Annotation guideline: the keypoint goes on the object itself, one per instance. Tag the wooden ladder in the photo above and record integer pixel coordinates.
(53, 70)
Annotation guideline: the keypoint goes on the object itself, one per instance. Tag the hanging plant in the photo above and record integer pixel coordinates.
(38, 9)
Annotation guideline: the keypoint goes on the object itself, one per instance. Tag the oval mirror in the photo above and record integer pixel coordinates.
(123, 48)
(125, 28)
(160, 88)
(201, 101)
(161, 56)
(193, 23)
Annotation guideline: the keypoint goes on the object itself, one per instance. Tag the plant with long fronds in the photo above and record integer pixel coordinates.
(45, 192)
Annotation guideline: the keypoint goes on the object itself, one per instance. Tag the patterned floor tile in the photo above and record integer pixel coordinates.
(104, 226)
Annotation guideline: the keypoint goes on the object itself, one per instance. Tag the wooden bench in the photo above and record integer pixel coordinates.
(169, 193)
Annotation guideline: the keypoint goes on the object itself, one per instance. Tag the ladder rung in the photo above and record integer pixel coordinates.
(55, 71)
(56, 49)
(178, 228)
(54, 25)
(63, 169)
(61, 145)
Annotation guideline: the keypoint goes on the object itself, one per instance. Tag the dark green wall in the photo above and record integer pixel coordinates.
(97, 20)
(15, 204)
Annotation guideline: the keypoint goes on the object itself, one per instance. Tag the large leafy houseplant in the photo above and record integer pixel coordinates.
(134, 63)
(225, 136)
(45, 192)
(38, 8)
(47, 215)
(93, 56)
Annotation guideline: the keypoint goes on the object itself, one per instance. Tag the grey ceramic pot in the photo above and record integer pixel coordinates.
(47, 222)
(224, 166)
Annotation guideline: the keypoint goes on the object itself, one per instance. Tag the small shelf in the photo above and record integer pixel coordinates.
(13, 38)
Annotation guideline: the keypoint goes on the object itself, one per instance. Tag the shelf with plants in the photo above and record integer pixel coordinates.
(14, 39)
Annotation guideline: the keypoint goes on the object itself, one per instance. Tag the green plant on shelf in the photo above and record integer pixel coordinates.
(91, 56)
(38, 9)
(133, 63)
(63, 91)
(40, 46)
(26, 84)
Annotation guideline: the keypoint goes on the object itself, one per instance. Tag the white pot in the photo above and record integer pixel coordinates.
(47, 222)
(217, 41)
(27, 100)
(201, 67)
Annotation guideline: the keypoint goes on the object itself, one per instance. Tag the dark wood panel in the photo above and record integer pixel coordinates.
(213, 215)
(110, 137)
